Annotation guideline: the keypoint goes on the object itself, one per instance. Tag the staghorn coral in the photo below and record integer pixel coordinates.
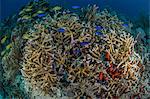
(63, 52)
(121, 50)
(120, 47)
(89, 14)
(90, 55)
(109, 22)
(37, 63)
(84, 67)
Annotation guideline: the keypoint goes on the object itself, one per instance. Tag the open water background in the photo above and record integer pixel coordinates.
(130, 8)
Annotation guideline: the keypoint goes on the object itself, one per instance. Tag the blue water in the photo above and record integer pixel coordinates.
(130, 8)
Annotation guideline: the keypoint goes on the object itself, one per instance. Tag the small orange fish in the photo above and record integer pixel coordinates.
(101, 75)
(107, 56)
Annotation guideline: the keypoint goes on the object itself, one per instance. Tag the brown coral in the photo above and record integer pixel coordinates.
(56, 59)
(37, 64)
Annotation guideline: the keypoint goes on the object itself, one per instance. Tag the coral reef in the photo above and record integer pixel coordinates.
(38, 58)
(12, 81)
(75, 60)
(65, 55)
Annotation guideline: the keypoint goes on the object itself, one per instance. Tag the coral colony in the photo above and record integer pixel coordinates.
(60, 54)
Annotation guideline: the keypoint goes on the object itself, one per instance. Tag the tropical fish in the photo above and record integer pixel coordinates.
(98, 33)
(40, 12)
(62, 30)
(57, 8)
(29, 6)
(5, 51)
(21, 12)
(46, 9)
(4, 39)
(26, 36)
(75, 7)
(41, 15)
(84, 43)
(125, 25)
(35, 14)
(8, 46)
(28, 9)
(42, 3)
(26, 17)
(98, 27)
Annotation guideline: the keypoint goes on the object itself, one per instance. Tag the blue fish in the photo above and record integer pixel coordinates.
(77, 51)
(41, 15)
(62, 30)
(125, 25)
(75, 7)
(84, 43)
(99, 34)
(99, 27)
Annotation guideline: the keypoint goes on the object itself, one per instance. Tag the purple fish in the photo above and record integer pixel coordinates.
(75, 7)
(84, 43)
(125, 25)
(99, 34)
(99, 27)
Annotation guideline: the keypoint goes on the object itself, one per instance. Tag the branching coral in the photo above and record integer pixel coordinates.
(121, 50)
(108, 22)
(89, 13)
(120, 47)
(91, 57)
(37, 64)
(65, 53)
